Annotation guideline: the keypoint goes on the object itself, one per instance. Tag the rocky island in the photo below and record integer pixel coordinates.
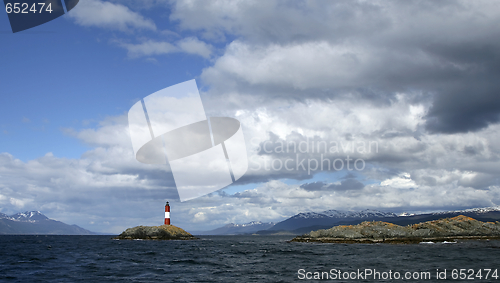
(447, 229)
(163, 232)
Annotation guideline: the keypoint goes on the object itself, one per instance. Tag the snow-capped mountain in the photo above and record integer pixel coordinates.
(367, 213)
(307, 221)
(330, 218)
(473, 210)
(310, 215)
(249, 224)
(29, 216)
(235, 229)
(34, 222)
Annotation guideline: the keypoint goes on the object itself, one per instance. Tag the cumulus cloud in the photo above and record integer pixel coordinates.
(149, 48)
(110, 188)
(303, 66)
(117, 16)
(96, 13)
(190, 45)
(367, 50)
(279, 21)
(402, 181)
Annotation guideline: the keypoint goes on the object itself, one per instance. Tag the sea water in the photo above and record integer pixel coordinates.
(240, 259)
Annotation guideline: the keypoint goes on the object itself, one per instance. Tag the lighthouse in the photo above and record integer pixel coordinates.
(167, 214)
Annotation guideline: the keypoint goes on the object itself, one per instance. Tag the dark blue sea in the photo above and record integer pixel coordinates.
(240, 259)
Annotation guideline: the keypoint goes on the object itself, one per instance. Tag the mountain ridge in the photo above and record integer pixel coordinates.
(35, 223)
(237, 229)
(307, 221)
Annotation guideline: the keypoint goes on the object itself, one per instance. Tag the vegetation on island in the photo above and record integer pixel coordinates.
(459, 227)
(163, 232)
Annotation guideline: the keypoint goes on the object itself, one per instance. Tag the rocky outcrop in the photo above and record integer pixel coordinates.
(164, 232)
(459, 227)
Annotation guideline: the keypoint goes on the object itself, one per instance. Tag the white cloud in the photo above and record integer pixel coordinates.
(300, 66)
(150, 47)
(109, 15)
(108, 185)
(339, 21)
(111, 131)
(192, 45)
(403, 181)
(116, 16)
(19, 203)
(199, 217)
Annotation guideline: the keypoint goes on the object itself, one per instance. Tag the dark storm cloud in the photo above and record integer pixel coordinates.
(260, 177)
(281, 21)
(480, 181)
(315, 186)
(348, 176)
(473, 150)
(446, 52)
(471, 106)
(345, 185)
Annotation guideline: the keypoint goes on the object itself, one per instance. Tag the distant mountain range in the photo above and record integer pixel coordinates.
(306, 222)
(34, 222)
(328, 218)
(309, 221)
(237, 229)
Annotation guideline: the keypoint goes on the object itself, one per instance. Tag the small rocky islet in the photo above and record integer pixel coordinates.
(447, 229)
(163, 232)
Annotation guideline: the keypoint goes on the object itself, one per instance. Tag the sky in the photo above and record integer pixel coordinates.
(403, 94)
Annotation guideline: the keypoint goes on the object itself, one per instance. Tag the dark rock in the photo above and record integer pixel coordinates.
(164, 232)
(459, 227)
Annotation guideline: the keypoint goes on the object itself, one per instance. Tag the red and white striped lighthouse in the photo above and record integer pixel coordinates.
(167, 214)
